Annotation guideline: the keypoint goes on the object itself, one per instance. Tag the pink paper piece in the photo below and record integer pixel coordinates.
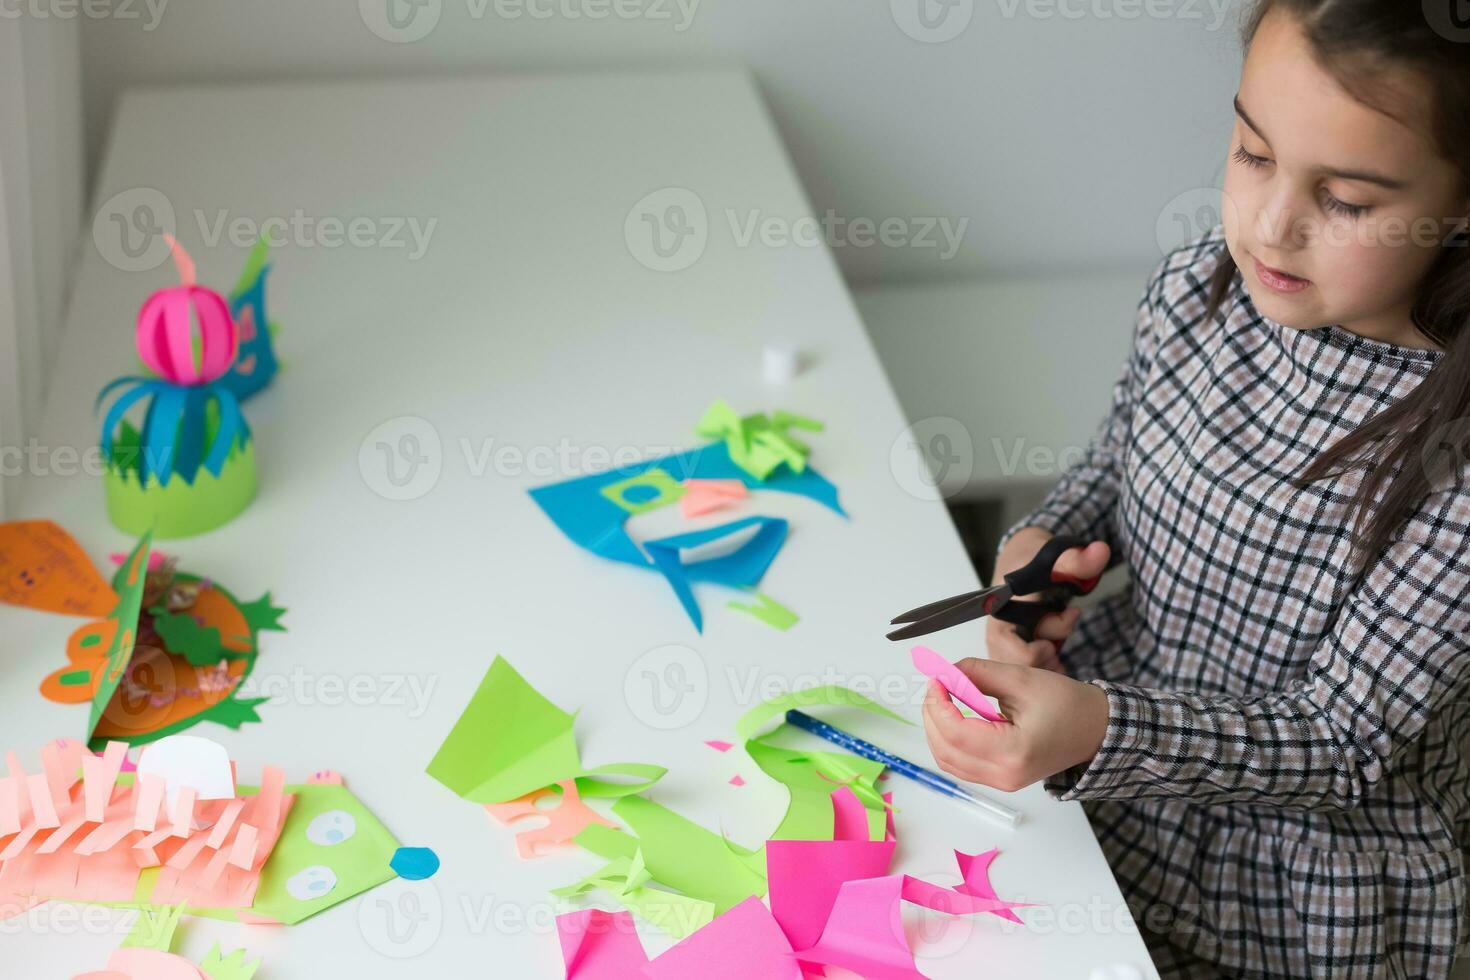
(865, 931)
(719, 745)
(975, 869)
(703, 496)
(745, 942)
(737, 780)
(138, 963)
(954, 680)
(890, 832)
(564, 822)
(598, 945)
(849, 816)
(155, 559)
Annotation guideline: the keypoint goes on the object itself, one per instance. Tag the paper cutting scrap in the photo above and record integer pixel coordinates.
(956, 682)
(759, 444)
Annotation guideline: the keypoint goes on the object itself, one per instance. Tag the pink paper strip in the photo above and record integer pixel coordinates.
(598, 945)
(743, 943)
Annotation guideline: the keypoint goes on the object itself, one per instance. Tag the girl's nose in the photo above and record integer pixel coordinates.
(1278, 222)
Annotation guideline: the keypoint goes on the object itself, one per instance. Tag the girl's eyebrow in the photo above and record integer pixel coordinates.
(1367, 176)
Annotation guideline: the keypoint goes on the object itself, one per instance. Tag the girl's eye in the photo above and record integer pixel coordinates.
(1242, 155)
(1343, 208)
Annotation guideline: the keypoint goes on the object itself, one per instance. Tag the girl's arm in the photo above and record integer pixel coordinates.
(1398, 651)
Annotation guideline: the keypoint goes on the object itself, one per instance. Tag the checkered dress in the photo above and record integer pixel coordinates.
(1281, 791)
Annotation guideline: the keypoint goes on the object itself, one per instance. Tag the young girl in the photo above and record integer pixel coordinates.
(1265, 725)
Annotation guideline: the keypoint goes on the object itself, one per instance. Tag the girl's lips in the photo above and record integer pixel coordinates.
(1282, 282)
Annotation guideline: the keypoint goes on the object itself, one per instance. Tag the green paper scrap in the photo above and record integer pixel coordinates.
(510, 741)
(154, 929)
(810, 777)
(182, 634)
(179, 509)
(759, 443)
(686, 857)
(768, 611)
(254, 263)
(608, 843)
(666, 490)
(628, 880)
(217, 966)
(125, 615)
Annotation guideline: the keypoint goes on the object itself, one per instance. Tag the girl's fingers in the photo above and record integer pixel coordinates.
(1058, 626)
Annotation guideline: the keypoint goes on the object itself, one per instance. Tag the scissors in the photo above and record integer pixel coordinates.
(1037, 575)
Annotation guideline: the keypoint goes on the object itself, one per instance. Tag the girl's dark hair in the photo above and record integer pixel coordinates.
(1422, 437)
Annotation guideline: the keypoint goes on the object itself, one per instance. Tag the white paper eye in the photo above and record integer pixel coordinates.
(313, 882)
(332, 827)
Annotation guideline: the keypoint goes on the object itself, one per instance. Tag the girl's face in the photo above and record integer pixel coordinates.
(1333, 211)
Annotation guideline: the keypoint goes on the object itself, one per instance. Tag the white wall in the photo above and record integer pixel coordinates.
(41, 197)
(1064, 141)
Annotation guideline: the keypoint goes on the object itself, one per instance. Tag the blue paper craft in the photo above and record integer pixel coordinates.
(591, 511)
(255, 365)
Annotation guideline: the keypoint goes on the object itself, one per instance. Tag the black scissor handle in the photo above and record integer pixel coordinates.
(1027, 615)
(1038, 574)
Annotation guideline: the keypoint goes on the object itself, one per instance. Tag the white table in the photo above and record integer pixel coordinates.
(528, 321)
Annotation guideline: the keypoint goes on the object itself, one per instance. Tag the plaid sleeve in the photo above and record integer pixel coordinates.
(1083, 498)
(1395, 654)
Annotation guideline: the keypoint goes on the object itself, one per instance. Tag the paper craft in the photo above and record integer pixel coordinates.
(759, 444)
(191, 465)
(598, 945)
(768, 611)
(510, 741)
(703, 496)
(628, 880)
(173, 652)
(255, 364)
(956, 682)
(591, 510)
(562, 823)
(42, 567)
(740, 568)
(743, 942)
(146, 955)
(684, 856)
(810, 777)
(187, 762)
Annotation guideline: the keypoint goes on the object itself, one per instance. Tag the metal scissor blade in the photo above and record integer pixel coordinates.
(931, 608)
(960, 612)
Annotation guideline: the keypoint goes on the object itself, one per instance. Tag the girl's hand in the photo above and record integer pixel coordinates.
(1055, 723)
(1002, 642)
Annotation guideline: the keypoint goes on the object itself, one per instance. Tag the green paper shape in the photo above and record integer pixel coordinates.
(217, 966)
(832, 695)
(628, 880)
(810, 777)
(510, 740)
(154, 929)
(669, 490)
(768, 611)
(608, 843)
(178, 509)
(690, 859)
(759, 443)
(125, 614)
(182, 634)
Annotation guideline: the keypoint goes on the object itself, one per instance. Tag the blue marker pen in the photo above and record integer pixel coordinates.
(933, 780)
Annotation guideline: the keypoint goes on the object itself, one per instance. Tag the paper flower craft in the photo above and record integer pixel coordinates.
(759, 444)
(190, 467)
(165, 650)
(180, 830)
